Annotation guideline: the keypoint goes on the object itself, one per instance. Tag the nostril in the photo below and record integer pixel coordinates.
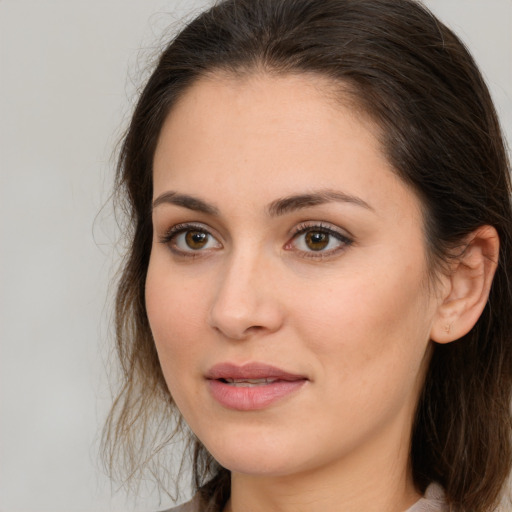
(255, 328)
(232, 332)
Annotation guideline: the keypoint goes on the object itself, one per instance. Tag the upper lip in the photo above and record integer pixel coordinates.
(250, 371)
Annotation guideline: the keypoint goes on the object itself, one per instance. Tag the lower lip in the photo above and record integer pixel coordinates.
(252, 398)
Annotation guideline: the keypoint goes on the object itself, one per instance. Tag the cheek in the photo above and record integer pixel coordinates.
(176, 313)
(369, 324)
(174, 301)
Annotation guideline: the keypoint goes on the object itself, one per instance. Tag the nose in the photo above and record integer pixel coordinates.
(246, 299)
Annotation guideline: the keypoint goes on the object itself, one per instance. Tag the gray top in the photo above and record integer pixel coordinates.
(433, 501)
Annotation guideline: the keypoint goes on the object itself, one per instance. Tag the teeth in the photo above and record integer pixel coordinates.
(249, 383)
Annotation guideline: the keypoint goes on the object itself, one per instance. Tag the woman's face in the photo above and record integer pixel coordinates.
(287, 289)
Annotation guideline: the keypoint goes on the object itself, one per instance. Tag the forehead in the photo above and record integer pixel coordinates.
(219, 113)
(271, 134)
(301, 96)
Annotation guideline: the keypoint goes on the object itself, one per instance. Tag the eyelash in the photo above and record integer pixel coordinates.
(302, 229)
(170, 236)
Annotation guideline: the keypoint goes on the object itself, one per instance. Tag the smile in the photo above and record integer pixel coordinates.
(251, 387)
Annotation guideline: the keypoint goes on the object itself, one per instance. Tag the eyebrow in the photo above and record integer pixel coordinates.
(276, 208)
(186, 201)
(298, 202)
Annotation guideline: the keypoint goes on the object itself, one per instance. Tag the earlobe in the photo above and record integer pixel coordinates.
(468, 286)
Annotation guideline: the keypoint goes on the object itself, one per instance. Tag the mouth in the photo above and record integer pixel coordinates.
(248, 383)
(257, 373)
(252, 386)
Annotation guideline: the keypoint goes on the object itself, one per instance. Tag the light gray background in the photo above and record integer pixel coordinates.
(69, 70)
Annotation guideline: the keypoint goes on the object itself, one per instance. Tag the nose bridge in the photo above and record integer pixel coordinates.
(244, 302)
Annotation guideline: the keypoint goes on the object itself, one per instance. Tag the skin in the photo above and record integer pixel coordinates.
(355, 318)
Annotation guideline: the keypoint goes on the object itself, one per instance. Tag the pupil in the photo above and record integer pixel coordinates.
(196, 239)
(317, 241)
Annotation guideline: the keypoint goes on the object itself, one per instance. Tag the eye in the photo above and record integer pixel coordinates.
(318, 240)
(187, 238)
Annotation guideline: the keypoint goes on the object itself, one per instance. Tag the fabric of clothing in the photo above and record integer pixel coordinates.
(432, 501)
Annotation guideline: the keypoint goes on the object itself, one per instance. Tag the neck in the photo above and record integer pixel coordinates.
(378, 480)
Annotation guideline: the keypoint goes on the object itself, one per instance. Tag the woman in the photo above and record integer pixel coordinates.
(319, 271)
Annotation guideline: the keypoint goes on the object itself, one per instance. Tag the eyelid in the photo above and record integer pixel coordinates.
(344, 238)
(177, 229)
(309, 225)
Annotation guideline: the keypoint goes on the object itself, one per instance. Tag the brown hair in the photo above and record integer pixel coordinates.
(415, 78)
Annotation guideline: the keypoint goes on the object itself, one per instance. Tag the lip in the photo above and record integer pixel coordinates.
(248, 396)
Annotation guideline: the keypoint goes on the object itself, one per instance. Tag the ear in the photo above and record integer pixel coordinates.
(467, 286)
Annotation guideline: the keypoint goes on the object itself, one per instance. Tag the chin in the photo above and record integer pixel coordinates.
(260, 456)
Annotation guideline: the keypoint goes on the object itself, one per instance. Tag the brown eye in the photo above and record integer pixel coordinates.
(196, 239)
(186, 239)
(316, 240)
